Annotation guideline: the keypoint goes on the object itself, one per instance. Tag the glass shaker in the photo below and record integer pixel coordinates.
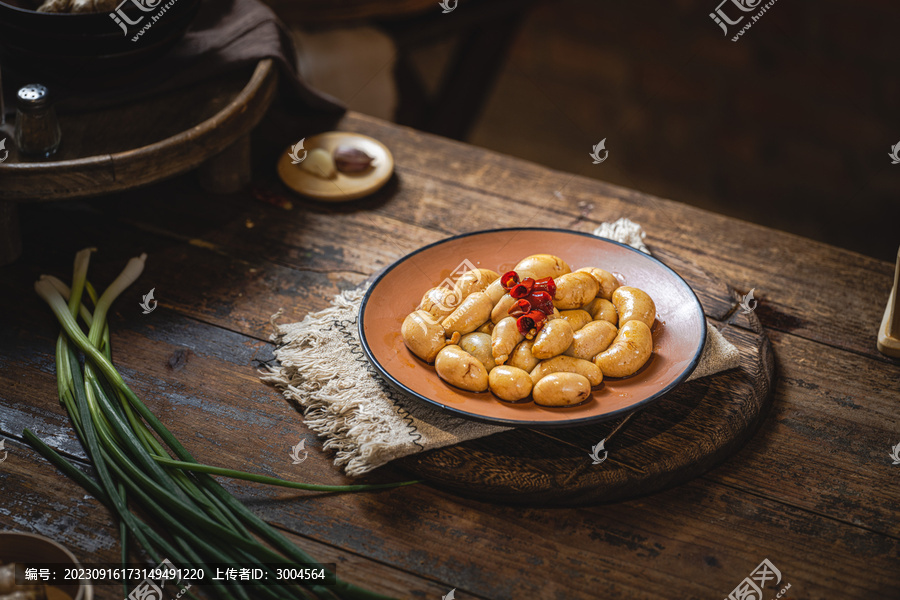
(37, 130)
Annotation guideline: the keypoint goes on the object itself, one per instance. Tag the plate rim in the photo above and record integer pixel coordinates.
(520, 423)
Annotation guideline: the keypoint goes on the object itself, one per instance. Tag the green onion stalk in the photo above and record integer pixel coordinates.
(141, 468)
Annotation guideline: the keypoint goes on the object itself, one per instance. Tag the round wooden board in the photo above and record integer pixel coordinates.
(693, 428)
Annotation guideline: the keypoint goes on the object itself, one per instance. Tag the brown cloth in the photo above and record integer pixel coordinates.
(225, 36)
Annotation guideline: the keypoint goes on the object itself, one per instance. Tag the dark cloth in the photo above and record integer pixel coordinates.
(226, 36)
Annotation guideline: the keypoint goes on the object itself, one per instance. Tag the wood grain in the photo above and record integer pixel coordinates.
(813, 490)
(84, 526)
(215, 405)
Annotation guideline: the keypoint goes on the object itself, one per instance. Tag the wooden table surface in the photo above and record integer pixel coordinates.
(814, 491)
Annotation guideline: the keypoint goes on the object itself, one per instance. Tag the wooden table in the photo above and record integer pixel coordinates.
(814, 491)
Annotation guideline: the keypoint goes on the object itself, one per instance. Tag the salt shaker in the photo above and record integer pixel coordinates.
(37, 130)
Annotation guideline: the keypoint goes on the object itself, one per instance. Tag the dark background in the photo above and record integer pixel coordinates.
(790, 126)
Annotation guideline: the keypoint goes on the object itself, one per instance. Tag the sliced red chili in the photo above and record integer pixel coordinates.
(546, 285)
(522, 289)
(525, 324)
(541, 301)
(538, 317)
(509, 279)
(519, 308)
(532, 321)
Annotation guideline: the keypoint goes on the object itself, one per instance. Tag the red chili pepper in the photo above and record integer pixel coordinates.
(546, 285)
(541, 301)
(520, 308)
(525, 324)
(509, 279)
(538, 317)
(522, 289)
(533, 320)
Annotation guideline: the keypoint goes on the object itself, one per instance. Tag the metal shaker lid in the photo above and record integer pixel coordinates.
(33, 97)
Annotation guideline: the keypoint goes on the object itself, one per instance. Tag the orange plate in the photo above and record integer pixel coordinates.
(678, 335)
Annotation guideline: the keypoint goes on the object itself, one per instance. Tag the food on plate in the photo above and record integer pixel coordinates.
(576, 318)
(574, 290)
(602, 309)
(470, 315)
(487, 328)
(522, 358)
(561, 389)
(459, 368)
(501, 308)
(634, 304)
(504, 339)
(628, 352)
(423, 335)
(539, 266)
(510, 383)
(479, 345)
(495, 290)
(553, 339)
(475, 280)
(567, 364)
(540, 330)
(591, 340)
(608, 282)
(440, 302)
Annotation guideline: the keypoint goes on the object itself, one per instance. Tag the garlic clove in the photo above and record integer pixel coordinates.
(319, 163)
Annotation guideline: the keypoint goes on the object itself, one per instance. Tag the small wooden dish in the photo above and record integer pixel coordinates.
(342, 187)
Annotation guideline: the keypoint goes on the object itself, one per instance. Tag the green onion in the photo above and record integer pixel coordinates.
(136, 473)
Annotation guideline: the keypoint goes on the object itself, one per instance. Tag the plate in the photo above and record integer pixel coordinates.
(678, 334)
(343, 186)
